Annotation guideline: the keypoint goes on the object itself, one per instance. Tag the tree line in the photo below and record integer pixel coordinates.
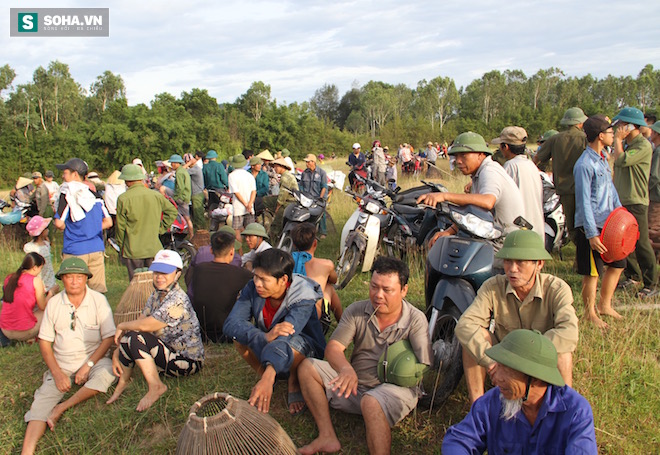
(52, 117)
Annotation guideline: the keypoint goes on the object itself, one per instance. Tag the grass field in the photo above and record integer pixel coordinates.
(618, 371)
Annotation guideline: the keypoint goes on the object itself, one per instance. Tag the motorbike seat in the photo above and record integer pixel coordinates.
(407, 209)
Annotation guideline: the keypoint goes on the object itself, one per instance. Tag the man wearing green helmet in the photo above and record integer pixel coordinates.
(632, 166)
(531, 409)
(492, 188)
(565, 148)
(522, 298)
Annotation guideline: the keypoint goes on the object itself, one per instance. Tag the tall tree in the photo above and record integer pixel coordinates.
(325, 103)
(439, 99)
(254, 101)
(108, 87)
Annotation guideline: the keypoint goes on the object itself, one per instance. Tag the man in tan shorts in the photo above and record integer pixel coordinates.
(372, 325)
(76, 332)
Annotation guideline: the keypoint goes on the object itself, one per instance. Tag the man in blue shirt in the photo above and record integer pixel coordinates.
(356, 161)
(83, 218)
(530, 410)
(595, 199)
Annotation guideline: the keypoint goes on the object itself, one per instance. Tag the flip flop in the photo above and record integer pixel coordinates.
(296, 397)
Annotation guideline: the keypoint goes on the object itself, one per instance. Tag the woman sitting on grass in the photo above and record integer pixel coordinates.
(165, 338)
(24, 300)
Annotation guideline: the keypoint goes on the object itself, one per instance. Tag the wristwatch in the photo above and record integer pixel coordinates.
(90, 363)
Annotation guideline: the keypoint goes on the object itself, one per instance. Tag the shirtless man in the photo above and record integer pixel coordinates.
(320, 270)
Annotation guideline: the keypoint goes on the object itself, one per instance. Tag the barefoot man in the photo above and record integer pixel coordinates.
(595, 199)
(372, 326)
(320, 270)
(74, 338)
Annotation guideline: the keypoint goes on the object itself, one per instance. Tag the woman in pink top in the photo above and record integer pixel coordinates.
(24, 300)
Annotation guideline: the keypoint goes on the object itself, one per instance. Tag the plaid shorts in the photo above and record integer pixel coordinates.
(241, 221)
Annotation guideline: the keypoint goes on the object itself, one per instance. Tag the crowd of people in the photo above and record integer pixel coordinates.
(276, 307)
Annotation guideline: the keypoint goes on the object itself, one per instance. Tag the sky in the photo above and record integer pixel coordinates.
(297, 46)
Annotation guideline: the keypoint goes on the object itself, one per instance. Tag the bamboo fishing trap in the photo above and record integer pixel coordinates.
(135, 297)
(220, 424)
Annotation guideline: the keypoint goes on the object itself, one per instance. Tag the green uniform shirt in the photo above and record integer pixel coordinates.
(262, 184)
(564, 148)
(631, 172)
(139, 222)
(288, 181)
(182, 186)
(654, 176)
(215, 176)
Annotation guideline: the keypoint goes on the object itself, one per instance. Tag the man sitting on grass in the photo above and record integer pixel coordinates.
(75, 335)
(372, 326)
(285, 329)
(531, 409)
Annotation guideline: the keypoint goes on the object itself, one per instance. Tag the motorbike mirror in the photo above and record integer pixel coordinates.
(523, 223)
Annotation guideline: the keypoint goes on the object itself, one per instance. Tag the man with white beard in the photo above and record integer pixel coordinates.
(531, 409)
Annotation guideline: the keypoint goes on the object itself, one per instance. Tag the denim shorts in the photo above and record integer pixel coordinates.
(300, 344)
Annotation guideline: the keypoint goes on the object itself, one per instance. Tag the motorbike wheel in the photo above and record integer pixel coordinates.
(397, 246)
(441, 380)
(347, 266)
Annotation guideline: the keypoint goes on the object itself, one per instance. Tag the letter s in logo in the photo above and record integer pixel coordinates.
(27, 22)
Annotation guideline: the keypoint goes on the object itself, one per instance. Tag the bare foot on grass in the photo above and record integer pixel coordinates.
(610, 312)
(54, 416)
(151, 396)
(329, 445)
(598, 322)
(121, 385)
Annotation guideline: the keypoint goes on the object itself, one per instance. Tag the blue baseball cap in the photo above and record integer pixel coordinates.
(166, 261)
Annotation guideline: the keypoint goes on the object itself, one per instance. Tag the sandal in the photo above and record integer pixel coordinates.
(648, 293)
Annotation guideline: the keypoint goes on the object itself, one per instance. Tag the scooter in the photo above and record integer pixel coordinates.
(305, 209)
(556, 234)
(362, 231)
(456, 266)
(411, 226)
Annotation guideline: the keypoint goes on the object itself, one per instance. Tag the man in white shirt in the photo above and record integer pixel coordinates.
(513, 142)
(244, 188)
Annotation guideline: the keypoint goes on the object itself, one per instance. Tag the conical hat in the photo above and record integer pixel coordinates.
(22, 182)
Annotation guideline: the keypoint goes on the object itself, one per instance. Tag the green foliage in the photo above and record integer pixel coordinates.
(52, 118)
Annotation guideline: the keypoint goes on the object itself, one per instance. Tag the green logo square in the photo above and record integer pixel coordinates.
(27, 22)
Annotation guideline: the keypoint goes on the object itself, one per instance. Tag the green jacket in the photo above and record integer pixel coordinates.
(262, 182)
(654, 176)
(215, 176)
(288, 181)
(564, 148)
(631, 172)
(182, 186)
(139, 213)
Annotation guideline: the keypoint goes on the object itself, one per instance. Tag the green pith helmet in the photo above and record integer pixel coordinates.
(238, 161)
(255, 229)
(131, 173)
(547, 135)
(655, 127)
(469, 142)
(573, 116)
(398, 365)
(73, 265)
(523, 245)
(630, 115)
(529, 352)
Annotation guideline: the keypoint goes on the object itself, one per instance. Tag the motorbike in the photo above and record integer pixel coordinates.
(556, 234)
(362, 231)
(411, 226)
(218, 208)
(305, 209)
(456, 266)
